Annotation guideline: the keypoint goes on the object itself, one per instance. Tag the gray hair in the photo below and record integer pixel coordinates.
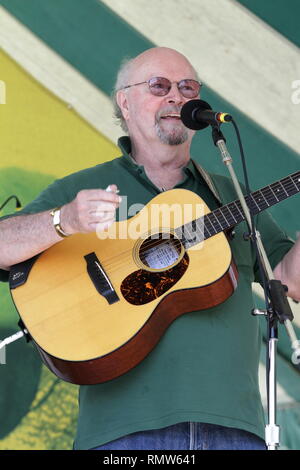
(121, 82)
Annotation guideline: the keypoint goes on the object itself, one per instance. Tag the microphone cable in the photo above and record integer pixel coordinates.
(17, 200)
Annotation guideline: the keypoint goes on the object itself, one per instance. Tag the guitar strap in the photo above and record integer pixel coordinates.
(208, 180)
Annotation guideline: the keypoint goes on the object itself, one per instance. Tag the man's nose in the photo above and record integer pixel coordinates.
(174, 95)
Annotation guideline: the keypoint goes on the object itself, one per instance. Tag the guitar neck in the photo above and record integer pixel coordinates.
(232, 214)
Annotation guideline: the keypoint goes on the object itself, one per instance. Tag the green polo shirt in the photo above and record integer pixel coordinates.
(205, 367)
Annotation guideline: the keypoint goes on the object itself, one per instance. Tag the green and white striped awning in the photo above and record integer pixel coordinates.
(58, 62)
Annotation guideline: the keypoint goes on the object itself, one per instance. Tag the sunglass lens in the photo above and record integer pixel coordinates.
(189, 88)
(159, 86)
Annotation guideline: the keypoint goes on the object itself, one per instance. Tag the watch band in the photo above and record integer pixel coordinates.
(56, 222)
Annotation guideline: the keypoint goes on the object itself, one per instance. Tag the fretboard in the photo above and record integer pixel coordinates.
(232, 214)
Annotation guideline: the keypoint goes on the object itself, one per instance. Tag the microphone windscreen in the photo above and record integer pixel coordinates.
(188, 114)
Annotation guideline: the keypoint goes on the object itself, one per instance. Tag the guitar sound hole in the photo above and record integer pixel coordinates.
(160, 252)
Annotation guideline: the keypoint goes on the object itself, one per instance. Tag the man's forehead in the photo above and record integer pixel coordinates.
(175, 69)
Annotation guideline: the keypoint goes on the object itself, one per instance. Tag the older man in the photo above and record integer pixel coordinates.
(199, 388)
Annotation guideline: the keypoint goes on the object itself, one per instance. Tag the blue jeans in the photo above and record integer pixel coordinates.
(188, 436)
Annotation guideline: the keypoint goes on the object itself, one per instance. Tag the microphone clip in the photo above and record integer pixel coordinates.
(217, 134)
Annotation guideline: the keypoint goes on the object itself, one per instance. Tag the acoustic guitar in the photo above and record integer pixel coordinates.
(95, 305)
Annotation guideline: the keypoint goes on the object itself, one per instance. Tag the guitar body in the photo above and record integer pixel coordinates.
(96, 307)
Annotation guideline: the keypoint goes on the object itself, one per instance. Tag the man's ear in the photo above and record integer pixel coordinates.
(121, 98)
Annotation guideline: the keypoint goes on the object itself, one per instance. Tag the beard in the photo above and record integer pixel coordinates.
(170, 133)
(171, 136)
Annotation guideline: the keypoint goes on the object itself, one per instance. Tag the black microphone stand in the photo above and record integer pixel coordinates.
(277, 306)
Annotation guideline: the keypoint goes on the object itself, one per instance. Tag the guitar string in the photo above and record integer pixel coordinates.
(114, 263)
(177, 243)
(289, 185)
(127, 254)
(235, 206)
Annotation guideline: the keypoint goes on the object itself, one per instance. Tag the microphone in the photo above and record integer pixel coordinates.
(197, 114)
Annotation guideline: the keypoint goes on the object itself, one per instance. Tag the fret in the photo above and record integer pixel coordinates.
(207, 233)
(192, 232)
(293, 182)
(190, 229)
(269, 194)
(253, 199)
(250, 203)
(297, 177)
(229, 216)
(220, 212)
(208, 220)
(260, 201)
(234, 221)
(186, 232)
(232, 207)
(198, 229)
(278, 200)
(283, 188)
(277, 187)
(185, 236)
(212, 214)
(239, 209)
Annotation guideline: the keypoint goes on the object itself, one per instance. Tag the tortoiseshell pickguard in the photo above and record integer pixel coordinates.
(141, 287)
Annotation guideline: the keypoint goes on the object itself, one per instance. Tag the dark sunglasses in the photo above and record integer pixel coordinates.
(160, 86)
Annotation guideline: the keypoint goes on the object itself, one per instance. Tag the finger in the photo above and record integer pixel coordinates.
(103, 217)
(102, 195)
(112, 188)
(94, 206)
(101, 226)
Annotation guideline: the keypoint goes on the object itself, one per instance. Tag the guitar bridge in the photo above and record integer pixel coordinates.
(100, 279)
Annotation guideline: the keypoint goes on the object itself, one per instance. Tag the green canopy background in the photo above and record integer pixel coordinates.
(59, 74)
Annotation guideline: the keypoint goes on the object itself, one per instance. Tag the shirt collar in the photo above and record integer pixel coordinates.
(124, 144)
